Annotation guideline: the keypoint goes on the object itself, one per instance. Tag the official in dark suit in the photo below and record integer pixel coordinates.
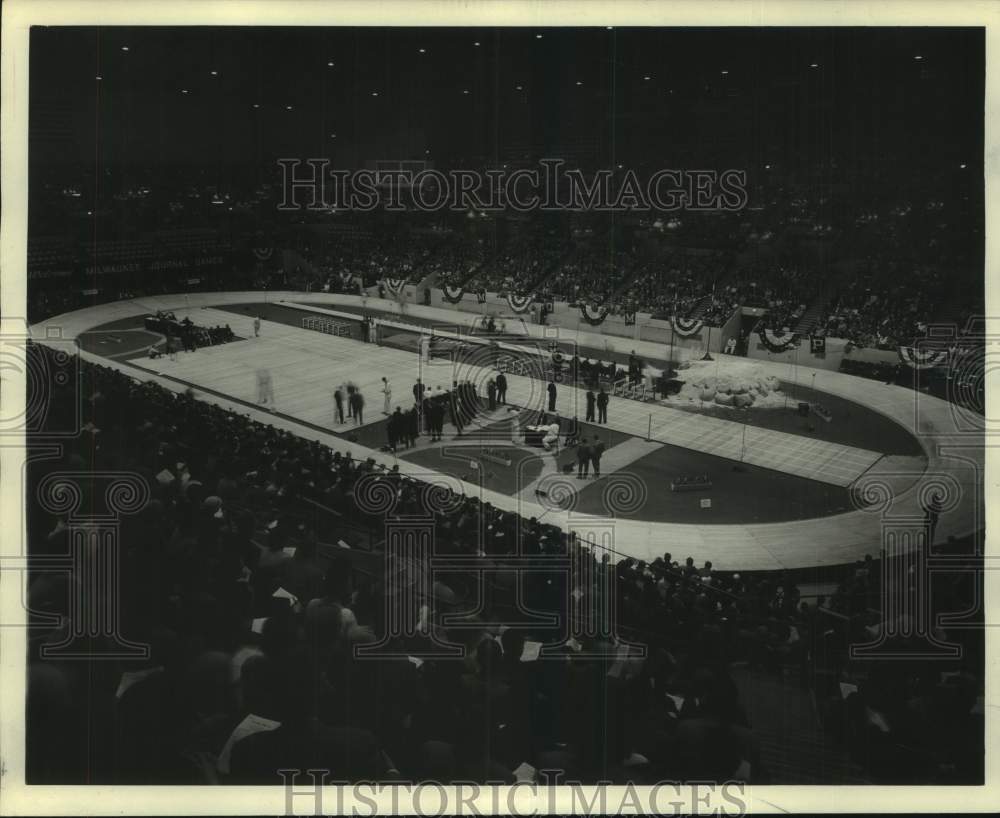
(338, 399)
(392, 428)
(412, 425)
(357, 406)
(427, 410)
(552, 396)
(591, 402)
(501, 381)
(583, 455)
(602, 406)
(596, 450)
(454, 409)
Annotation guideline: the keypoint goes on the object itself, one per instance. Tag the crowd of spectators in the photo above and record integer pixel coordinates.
(882, 300)
(886, 308)
(665, 281)
(875, 259)
(257, 567)
(883, 310)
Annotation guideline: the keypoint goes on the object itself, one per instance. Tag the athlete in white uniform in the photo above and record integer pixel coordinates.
(265, 388)
(387, 391)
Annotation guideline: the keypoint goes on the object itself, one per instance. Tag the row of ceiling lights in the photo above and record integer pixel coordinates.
(330, 64)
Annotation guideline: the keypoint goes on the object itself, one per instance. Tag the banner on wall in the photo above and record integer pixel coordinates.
(452, 294)
(394, 285)
(519, 303)
(923, 358)
(776, 341)
(686, 327)
(594, 314)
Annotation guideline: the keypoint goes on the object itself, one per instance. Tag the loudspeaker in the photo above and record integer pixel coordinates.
(804, 409)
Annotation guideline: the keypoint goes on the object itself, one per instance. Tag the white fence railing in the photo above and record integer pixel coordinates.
(330, 326)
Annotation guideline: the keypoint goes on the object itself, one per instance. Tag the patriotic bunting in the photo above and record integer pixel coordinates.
(686, 327)
(922, 358)
(594, 314)
(776, 341)
(394, 285)
(519, 303)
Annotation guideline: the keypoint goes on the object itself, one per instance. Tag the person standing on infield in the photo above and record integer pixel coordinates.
(357, 406)
(501, 381)
(387, 391)
(583, 455)
(596, 450)
(602, 406)
(338, 399)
